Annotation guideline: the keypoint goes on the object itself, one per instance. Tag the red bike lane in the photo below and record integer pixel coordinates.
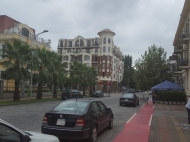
(137, 129)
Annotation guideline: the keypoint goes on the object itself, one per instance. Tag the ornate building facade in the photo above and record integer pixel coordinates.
(100, 53)
(12, 29)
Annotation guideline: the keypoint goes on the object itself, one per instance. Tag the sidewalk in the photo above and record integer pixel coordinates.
(156, 123)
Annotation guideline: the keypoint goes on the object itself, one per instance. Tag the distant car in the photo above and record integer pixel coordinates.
(77, 119)
(9, 133)
(97, 93)
(129, 99)
(71, 93)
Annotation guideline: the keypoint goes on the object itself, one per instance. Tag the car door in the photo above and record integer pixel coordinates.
(105, 115)
(96, 114)
(8, 134)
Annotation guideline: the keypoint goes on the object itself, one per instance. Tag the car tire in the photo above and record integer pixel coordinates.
(64, 98)
(120, 104)
(111, 123)
(138, 102)
(93, 134)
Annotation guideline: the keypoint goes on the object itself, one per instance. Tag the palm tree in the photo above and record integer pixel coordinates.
(41, 67)
(16, 55)
(57, 69)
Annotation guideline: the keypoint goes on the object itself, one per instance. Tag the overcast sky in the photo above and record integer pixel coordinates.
(138, 24)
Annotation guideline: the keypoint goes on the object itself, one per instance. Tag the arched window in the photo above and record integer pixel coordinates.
(25, 32)
(104, 40)
(77, 43)
(86, 57)
(81, 43)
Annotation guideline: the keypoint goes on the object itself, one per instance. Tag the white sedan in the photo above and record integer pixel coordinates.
(9, 133)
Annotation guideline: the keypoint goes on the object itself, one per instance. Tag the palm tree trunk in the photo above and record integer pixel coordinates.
(16, 96)
(39, 92)
(84, 91)
(55, 90)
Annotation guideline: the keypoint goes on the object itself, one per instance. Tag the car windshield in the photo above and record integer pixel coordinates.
(128, 95)
(66, 91)
(72, 106)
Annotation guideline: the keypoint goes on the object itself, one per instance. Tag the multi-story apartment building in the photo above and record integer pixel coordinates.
(100, 53)
(180, 60)
(10, 29)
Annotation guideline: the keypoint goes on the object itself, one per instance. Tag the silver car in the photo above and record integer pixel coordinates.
(9, 133)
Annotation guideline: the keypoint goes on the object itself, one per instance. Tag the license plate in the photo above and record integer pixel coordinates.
(126, 99)
(60, 122)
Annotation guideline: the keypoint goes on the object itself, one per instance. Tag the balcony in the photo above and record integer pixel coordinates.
(184, 37)
(178, 49)
(40, 42)
(183, 64)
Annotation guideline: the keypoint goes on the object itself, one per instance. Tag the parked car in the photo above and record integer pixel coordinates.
(71, 93)
(97, 93)
(129, 99)
(77, 119)
(9, 133)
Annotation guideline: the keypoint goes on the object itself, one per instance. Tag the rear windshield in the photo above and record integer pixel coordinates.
(66, 91)
(72, 106)
(128, 95)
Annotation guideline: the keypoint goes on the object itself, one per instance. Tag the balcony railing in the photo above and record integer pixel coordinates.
(184, 37)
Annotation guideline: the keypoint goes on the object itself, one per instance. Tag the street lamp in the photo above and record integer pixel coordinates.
(44, 31)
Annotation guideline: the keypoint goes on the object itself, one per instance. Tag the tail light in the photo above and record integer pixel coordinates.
(45, 119)
(80, 122)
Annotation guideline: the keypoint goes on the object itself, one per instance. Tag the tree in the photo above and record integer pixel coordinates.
(152, 68)
(128, 72)
(57, 69)
(41, 69)
(16, 54)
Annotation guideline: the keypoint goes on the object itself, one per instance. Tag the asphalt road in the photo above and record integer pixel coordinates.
(29, 116)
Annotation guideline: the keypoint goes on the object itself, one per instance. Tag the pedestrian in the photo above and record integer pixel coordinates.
(146, 96)
(153, 98)
(188, 109)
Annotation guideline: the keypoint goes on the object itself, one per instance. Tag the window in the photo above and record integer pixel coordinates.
(8, 134)
(77, 43)
(95, 107)
(61, 43)
(96, 50)
(104, 49)
(104, 40)
(70, 43)
(81, 43)
(87, 64)
(109, 40)
(96, 42)
(65, 58)
(88, 43)
(102, 106)
(86, 57)
(88, 50)
(108, 49)
(25, 32)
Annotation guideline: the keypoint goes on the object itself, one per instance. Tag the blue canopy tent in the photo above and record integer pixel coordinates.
(167, 85)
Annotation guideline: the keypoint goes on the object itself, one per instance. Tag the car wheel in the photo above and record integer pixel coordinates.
(111, 123)
(138, 102)
(64, 98)
(120, 104)
(93, 135)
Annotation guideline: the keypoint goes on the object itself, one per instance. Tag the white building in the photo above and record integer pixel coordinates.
(100, 53)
